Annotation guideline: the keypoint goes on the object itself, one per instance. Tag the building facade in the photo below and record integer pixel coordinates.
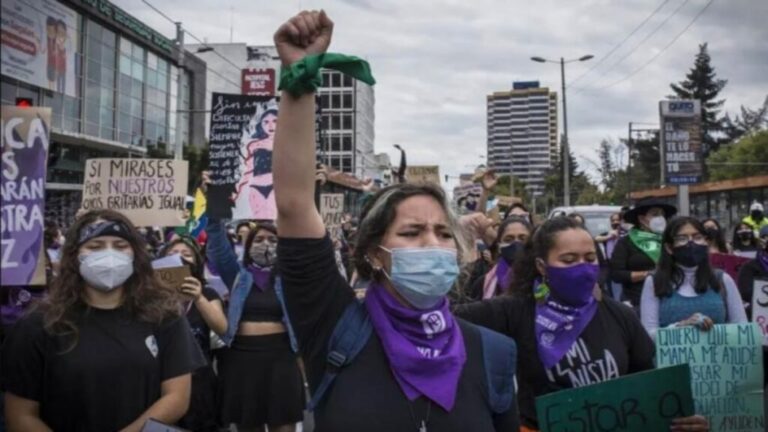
(522, 133)
(120, 88)
(346, 117)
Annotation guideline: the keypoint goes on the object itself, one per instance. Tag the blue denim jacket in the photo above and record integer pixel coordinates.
(238, 279)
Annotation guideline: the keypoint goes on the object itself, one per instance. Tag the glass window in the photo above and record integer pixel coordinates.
(108, 38)
(335, 80)
(336, 122)
(347, 99)
(137, 53)
(93, 71)
(94, 49)
(346, 143)
(325, 101)
(108, 56)
(346, 164)
(347, 121)
(107, 77)
(347, 81)
(335, 101)
(136, 88)
(151, 60)
(125, 46)
(125, 64)
(137, 71)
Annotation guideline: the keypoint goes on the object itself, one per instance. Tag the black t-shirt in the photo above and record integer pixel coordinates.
(197, 324)
(628, 258)
(613, 344)
(111, 376)
(365, 395)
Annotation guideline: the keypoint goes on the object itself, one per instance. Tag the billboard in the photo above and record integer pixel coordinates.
(39, 40)
(258, 82)
(681, 141)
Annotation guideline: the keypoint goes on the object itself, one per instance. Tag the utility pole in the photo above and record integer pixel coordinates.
(566, 154)
(178, 153)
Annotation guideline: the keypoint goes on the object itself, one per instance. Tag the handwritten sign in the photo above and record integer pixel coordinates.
(150, 192)
(728, 263)
(240, 161)
(332, 209)
(423, 174)
(25, 139)
(760, 307)
(726, 372)
(173, 276)
(645, 401)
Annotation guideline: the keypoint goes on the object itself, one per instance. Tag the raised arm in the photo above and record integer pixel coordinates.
(293, 166)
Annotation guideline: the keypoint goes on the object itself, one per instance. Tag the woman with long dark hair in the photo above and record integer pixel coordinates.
(744, 243)
(107, 348)
(260, 383)
(715, 236)
(205, 313)
(557, 315)
(510, 239)
(685, 289)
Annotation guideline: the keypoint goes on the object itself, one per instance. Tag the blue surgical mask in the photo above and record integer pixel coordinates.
(423, 276)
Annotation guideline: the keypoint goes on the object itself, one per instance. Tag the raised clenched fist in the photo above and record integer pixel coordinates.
(307, 33)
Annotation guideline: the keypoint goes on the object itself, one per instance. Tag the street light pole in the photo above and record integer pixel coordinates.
(566, 154)
(565, 150)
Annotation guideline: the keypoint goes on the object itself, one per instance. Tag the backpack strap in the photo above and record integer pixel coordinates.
(500, 361)
(350, 335)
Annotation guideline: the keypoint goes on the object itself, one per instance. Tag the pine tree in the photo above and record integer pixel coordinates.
(700, 83)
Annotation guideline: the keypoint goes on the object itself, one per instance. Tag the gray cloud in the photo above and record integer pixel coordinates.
(435, 61)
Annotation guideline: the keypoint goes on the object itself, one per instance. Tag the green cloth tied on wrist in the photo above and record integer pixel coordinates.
(304, 76)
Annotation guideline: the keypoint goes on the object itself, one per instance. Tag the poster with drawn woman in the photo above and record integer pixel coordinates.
(241, 138)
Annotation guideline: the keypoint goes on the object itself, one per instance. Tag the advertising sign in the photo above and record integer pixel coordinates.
(681, 141)
(258, 82)
(25, 143)
(39, 42)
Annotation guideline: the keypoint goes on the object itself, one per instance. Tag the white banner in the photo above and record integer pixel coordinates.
(760, 307)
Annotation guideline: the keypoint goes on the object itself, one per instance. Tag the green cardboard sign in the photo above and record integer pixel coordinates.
(726, 372)
(641, 402)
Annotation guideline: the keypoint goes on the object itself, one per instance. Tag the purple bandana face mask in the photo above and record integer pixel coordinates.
(425, 347)
(567, 310)
(260, 276)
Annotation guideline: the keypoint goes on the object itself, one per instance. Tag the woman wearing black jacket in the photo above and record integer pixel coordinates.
(635, 256)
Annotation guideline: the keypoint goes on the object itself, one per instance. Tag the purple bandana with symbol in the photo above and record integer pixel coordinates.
(19, 300)
(260, 276)
(425, 348)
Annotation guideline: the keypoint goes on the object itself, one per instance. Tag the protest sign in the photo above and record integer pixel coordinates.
(171, 270)
(760, 307)
(423, 174)
(645, 401)
(466, 197)
(149, 192)
(240, 160)
(332, 209)
(728, 263)
(25, 141)
(726, 372)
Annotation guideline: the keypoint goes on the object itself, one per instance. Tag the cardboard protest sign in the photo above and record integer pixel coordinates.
(171, 270)
(726, 372)
(760, 307)
(332, 209)
(149, 192)
(240, 161)
(646, 401)
(423, 174)
(25, 141)
(728, 263)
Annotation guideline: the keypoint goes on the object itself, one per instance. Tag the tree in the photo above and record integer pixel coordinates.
(580, 185)
(747, 157)
(700, 83)
(520, 190)
(749, 121)
(646, 163)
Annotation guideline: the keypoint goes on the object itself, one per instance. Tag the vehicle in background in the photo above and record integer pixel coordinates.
(597, 218)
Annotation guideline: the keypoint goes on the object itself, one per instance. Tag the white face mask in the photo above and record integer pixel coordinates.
(657, 224)
(107, 269)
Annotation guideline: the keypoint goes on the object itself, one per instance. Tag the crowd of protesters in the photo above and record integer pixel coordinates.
(400, 322)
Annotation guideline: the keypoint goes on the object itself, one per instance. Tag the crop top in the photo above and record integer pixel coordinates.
(262, 306)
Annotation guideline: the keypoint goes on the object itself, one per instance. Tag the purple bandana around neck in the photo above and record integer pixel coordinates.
(503, 276)
(425, 348)
(762, 258)
(558, 326)
(260, 276)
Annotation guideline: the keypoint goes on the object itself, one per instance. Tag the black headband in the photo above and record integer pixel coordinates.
(109, 228)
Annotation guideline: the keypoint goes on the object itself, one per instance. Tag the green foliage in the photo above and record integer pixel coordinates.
(701, 83)
(502, 188)
(747, 157)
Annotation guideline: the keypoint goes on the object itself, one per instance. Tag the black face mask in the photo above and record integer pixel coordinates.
(509, 252)
(615, 226)
(757, 215)
(745, 236)
(691, 254)
(712, 233)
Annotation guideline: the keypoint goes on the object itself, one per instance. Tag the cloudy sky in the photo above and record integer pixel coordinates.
(435, 61)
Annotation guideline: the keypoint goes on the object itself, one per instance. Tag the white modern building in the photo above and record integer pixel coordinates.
(346, 106)
(522, 133)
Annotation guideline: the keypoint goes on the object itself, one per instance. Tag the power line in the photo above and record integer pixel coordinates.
(637, 45)
(608, 54)
(701, 12)
(172, 21)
